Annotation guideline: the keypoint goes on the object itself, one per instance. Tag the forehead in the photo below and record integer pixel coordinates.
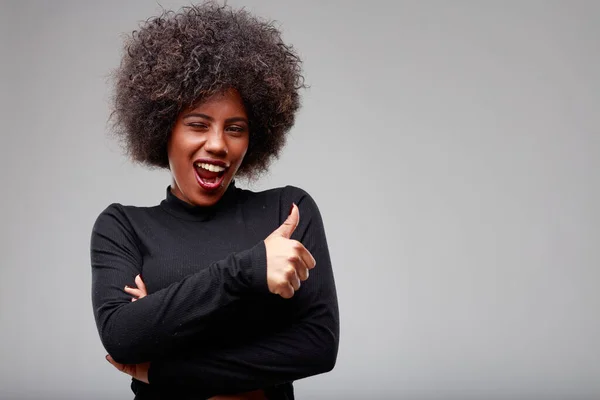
(228, 100)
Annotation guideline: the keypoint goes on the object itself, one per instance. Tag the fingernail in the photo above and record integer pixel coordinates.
(126, 287)
(106, 357)
(291, 208)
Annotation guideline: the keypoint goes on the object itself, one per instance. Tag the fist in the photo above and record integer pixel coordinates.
(288, 261)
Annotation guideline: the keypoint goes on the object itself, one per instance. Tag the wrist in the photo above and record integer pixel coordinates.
(258, 268)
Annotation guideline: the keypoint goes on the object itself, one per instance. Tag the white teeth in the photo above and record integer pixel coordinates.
(211, 167)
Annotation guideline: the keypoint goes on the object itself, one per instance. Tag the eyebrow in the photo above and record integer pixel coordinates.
(208, 117)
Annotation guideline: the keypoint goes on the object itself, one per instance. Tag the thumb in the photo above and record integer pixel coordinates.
(289, 225)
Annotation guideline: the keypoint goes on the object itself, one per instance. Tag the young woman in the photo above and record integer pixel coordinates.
(216, 292)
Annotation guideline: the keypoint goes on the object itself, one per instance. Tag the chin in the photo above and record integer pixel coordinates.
(207, 198)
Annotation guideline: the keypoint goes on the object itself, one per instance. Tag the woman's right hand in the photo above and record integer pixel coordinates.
(288, 261)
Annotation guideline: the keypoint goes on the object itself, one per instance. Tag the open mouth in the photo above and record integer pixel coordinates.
(209, 176)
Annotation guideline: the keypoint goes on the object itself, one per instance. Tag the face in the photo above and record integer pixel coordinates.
(207, 146)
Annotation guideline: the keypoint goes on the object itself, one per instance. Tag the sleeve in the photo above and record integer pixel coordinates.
(144, 330)
(307, 347)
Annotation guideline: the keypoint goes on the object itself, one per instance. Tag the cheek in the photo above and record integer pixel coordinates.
(243, 151)
(178, 153)
(246, 144)
(240, 148)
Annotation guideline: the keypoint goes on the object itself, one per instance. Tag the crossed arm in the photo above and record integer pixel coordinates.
(305, 348)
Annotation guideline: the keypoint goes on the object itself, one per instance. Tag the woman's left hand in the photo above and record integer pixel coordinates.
(138, 292)
(138, 371)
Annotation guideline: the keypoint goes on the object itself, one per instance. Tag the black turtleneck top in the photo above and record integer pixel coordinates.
(209, 324)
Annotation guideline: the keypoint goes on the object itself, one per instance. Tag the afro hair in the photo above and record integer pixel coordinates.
(177, 59)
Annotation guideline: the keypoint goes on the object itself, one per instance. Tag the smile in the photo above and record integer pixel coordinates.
(210, 167)
(209, 176)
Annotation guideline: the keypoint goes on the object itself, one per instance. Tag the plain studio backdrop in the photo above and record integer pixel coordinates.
(453, 148)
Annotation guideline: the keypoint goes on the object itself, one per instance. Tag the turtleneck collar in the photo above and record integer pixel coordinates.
(181, 209)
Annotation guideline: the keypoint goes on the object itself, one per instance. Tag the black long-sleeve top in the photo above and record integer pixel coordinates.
(209, 324)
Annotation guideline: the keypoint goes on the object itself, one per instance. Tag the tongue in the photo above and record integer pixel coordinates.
(205, 174)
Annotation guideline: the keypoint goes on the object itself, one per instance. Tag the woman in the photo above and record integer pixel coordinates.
(208, 294)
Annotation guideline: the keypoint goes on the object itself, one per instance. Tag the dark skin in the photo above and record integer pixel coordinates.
(218, 130)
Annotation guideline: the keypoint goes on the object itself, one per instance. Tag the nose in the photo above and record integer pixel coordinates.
(215, 142)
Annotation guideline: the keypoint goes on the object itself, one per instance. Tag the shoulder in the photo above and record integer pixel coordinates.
(118, 216)
(113, 217)
(123, 212)
(282, 198)
(283, 194)
(299, 196)
(114, 226)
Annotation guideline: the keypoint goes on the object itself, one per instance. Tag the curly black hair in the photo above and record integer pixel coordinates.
(178, 59)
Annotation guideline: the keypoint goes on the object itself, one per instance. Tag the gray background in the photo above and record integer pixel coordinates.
(453, 148)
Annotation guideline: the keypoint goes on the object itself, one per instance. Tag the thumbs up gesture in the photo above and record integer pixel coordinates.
(288, 261)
